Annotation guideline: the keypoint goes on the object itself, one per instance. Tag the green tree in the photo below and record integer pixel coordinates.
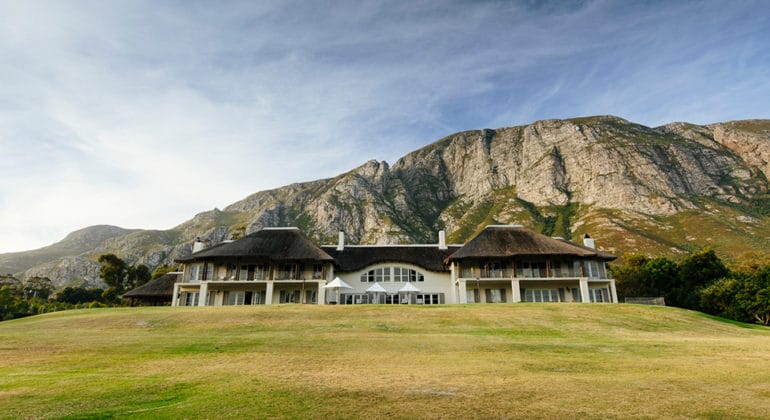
(630, 278)
(696, 271)
(38, 287)
(7, 302)
(137, 276)
(754, 295)
(719, 298)
(661, 273)
(114, 272)
(645, 277)
(75, 295)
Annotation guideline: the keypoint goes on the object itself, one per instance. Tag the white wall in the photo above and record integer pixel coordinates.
(433, 283)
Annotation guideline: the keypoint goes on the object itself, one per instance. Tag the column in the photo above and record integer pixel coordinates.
(516, 289)
(321, 294)
(613, 291)
(584, 296)
(203, 294)
(269, 293)
(463, 292)
(453, 282)
(175, 296)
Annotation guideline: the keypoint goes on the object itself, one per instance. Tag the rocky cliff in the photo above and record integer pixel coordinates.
(664, 190)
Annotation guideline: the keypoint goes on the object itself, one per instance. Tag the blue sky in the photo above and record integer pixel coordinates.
(144, 113)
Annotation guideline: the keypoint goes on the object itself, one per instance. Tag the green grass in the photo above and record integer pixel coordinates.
(477, 361)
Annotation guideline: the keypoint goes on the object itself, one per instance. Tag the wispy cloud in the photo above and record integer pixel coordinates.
(143, 113)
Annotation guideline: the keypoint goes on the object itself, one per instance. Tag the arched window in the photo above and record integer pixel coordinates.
(394, 274)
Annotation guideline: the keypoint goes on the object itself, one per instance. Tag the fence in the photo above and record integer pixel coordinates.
(646, 301)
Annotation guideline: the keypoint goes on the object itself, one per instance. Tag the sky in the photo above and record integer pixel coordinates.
(142, 114)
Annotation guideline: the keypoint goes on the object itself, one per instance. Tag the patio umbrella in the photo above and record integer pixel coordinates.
(376, 288)
(338, 284)
(408, 289)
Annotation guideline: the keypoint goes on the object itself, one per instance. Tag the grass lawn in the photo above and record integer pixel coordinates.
(459, 361)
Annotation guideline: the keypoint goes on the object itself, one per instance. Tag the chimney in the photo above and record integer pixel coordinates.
(341, 242)
(198, 245)
(442, 240)
(589, 241)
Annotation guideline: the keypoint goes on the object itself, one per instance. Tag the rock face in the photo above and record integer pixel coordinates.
(630, 182)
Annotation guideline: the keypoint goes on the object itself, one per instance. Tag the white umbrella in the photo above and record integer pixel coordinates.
(408, 288)
(376, 288)
(338, 284)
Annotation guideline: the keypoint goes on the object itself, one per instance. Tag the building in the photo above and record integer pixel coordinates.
(503, 263)
(158, 292)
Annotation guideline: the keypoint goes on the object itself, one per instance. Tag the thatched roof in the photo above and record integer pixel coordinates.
(163, 286)
(357, 257)
(276, 244)
(506, 241)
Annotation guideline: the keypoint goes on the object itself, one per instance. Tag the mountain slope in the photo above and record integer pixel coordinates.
(75, 243)
(663, 190)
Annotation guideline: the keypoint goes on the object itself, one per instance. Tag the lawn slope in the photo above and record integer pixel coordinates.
(523, 360)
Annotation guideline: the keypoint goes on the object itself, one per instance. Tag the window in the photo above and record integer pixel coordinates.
(531, 269)
(382, 274)
(258, 298)
(472, 296)
(592, 269)
(310, 296)
(492, 270)
(243, 273)
(289, 296)
(397, 274)
(576, 296)
(190, 298)
(288, 272)
(261, 272)
(430, 299)
(541, 295)
(232, 269)
(564, 268)
(235, 298)
(495, 295)
(318, 271)
(194, 273)
(208, 271)
(353, 298)
(599, 294)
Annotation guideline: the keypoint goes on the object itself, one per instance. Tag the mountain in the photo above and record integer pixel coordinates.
(663, 191)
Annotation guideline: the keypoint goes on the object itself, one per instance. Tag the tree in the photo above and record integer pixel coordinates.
(643, 276)
(754, 295)
(120, 276)
(75, 295)
(113, 271)
(719, 298)
(137, 276)
(38, 287)
(696, 271)
(661, 274)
